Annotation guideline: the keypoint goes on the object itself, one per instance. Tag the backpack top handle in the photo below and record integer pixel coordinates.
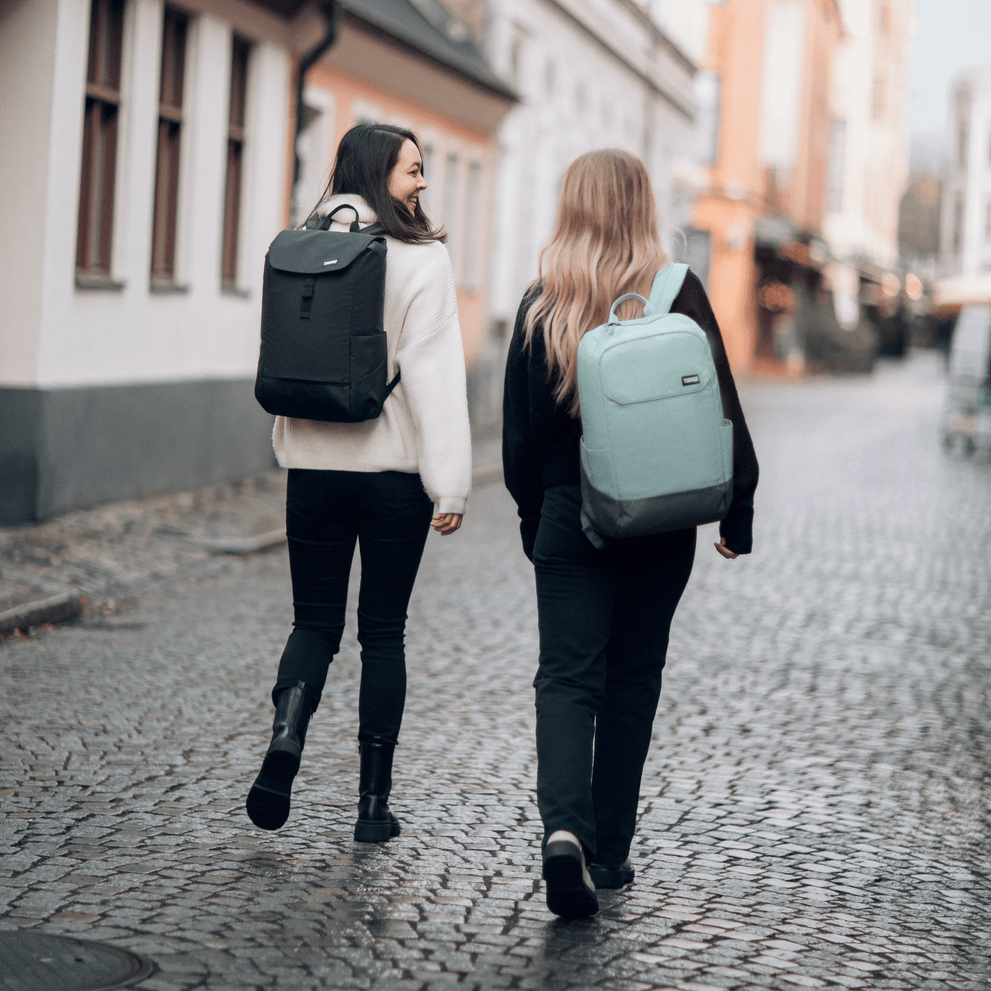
(613, 319)
(326, 222)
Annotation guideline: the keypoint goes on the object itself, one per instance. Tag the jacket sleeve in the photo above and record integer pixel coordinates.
(520, 461)
(737, 528)
(432, 363)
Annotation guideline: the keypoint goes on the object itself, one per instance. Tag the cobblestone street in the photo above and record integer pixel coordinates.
(816, 808)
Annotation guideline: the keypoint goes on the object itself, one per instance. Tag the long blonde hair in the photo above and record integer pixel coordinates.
(605, 244)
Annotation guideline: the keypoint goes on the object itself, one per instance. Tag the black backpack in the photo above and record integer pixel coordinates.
(323, 346)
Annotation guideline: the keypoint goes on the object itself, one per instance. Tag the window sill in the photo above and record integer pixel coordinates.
(227, 290)
(99, 282)
(167, 287)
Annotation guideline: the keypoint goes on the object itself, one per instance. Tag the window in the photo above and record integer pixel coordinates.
(167, 165)
(957, 225)
(516, 56)
(884, 16)
(879, 101)
(451, 219)
(473, 190)
(235, 155)
(96, 186)
(707, 88)
(837, 165)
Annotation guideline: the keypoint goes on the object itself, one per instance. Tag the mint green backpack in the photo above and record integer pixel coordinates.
(656, 451)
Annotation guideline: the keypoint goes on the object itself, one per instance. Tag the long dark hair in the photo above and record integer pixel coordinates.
(365, 159)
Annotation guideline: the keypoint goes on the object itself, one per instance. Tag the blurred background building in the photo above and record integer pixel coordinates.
(149, 152)
(804, 186)
(965, 230)
(617, 73)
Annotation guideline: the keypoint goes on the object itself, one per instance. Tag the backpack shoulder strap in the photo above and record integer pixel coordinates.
(664, 291)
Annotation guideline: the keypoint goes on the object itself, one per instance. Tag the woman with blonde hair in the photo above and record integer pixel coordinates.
(603, 615)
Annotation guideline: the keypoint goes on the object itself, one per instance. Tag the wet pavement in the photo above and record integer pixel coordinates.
(815, 808)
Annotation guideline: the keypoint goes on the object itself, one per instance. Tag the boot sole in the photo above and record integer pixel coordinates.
(269, 798)
(367, 831)
(567, 894)
(606, 877)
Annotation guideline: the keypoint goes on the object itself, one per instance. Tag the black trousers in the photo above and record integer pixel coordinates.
(327, 512)
(604, 619)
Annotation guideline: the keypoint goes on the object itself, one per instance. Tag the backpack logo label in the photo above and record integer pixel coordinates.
(690, 380)
(333, 261)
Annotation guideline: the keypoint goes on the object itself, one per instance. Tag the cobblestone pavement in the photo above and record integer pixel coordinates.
(815, 808)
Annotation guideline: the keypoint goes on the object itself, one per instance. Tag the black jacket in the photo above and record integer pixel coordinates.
(540, 439)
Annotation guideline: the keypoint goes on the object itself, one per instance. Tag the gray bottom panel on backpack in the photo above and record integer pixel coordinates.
(612, 518)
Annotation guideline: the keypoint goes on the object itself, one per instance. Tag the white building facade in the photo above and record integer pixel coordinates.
(144, 151)
(868, 154)
(589, 74)
(965, 217)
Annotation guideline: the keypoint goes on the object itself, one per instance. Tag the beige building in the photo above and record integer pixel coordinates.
(764, 195)
(415, 65)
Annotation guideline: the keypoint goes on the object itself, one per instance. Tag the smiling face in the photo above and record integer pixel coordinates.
(406, 181)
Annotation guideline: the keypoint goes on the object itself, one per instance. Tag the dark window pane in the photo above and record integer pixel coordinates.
(169, 132)
(96, 184)
(235, 153)
(232, 202)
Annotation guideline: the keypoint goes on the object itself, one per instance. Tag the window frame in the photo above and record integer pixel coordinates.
(165, 212)
(472, 224)
(101, 132)
(234, 176)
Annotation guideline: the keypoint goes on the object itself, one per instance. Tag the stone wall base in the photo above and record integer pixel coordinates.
(63, 449)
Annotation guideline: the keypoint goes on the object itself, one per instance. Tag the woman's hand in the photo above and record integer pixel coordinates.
(447, 523)
(724, 550)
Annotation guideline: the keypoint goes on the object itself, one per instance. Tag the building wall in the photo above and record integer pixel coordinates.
(869, 155)
(589, 76)
(965, 222)
(734, 190)
(83, 353)
(773, 60)
(27, 57)
(456, 197)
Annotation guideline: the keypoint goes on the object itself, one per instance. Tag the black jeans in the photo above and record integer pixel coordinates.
(388, 515)
(604, 618)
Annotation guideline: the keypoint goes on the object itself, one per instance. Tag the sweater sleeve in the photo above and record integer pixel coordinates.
(520, 460)
(432, 363)
(737, 528)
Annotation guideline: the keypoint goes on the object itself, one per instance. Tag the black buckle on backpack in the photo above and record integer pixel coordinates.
(306, 304)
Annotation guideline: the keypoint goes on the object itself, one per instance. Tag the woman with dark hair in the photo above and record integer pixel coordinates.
(380, 484)
(603, 615)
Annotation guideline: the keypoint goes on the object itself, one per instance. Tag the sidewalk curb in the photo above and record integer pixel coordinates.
(240, 545)
(68, 605)
(54, 609)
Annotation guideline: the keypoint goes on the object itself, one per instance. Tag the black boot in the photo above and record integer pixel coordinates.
(375, 822)
(268, 800)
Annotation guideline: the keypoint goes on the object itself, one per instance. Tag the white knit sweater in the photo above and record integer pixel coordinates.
(423, 426)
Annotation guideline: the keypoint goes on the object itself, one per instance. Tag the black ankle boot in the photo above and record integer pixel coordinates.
(268, 800)
(375, 822)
